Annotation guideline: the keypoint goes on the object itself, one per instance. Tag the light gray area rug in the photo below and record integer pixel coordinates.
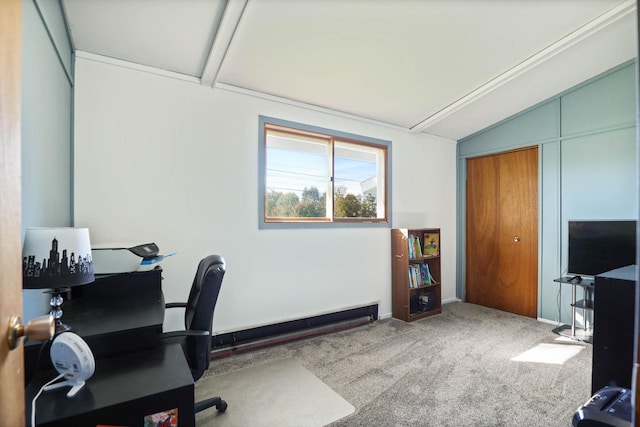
(279, 393)
(469, 366)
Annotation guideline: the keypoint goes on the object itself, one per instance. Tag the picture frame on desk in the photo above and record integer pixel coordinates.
(163, 418)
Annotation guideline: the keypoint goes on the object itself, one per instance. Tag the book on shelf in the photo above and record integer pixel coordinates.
(419, 275)
(410, 242)
(431, 244)
(411, 282)
(415, 278)
(425, 275)
(415, 249)
(418, 250)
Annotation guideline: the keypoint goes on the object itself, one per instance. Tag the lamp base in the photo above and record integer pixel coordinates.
(61, 327)
(56, 308)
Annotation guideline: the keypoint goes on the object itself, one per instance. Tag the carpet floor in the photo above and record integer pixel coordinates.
(469, 366)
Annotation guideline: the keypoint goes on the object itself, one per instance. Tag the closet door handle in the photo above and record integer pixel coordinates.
(516, 239)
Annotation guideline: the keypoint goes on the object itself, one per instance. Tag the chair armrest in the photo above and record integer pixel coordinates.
(190, 333)
(175, 305)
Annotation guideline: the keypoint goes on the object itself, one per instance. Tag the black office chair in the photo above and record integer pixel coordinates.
(198, 320)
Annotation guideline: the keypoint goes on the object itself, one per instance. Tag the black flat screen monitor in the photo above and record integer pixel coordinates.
(599, 246)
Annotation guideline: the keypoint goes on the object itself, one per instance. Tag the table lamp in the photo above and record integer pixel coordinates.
(56, 258)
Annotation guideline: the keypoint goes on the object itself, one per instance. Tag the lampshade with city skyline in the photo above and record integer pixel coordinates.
(56, 258)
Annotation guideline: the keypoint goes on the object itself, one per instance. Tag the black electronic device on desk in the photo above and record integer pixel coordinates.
(610, 406)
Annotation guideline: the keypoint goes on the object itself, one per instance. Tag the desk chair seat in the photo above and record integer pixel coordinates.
(198, 321)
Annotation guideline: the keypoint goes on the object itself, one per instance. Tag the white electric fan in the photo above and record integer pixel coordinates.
(73, 359)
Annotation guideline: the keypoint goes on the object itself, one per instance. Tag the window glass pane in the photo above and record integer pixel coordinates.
(297, 175)
(315, 177)
(357, 174)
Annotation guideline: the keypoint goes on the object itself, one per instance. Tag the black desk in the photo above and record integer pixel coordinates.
(116, 314)
(120, 317)
(123, 390)
(614, 328)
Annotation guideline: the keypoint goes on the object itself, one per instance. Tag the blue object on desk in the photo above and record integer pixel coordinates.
(151, 263)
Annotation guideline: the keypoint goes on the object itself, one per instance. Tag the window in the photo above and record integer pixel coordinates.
(312, 176)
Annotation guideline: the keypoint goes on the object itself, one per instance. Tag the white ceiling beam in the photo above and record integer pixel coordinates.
(135, 66)
(549, 52)
(221, 42)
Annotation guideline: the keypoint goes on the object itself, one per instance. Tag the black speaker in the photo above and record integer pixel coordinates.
(613, 328)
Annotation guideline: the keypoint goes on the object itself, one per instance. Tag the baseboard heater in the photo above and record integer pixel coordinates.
(262, 336)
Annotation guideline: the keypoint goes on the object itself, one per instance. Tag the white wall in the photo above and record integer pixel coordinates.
(167, 160)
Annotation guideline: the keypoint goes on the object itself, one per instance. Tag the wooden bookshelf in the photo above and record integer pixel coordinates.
(415, 295)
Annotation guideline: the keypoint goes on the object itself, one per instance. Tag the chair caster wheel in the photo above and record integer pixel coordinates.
(222, 406)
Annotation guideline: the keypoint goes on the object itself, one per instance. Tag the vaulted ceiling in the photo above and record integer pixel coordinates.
(443, 67)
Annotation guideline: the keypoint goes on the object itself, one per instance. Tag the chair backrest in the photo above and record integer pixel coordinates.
(199, 311)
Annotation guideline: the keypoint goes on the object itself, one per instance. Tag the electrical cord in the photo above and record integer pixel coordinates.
(36, 364)
(33, 402)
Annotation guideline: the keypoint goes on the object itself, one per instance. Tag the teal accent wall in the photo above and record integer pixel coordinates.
(602, 104)
(47, 137)
(52, 15)
(588, 168)
(522, 130)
